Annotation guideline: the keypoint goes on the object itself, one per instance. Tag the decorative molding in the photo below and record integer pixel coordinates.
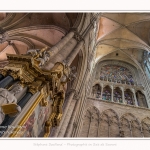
(24, 29)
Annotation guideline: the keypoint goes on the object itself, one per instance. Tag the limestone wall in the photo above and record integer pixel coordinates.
(109, 119)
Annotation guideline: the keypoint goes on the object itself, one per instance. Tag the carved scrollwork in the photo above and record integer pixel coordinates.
(34, 87)
(45, 92)
(14, 74)
(3, 72)
(40, 57)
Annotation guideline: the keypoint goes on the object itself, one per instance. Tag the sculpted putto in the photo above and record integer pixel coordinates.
(8, 97)
(42, 56)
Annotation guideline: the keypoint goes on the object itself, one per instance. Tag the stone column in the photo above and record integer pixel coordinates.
(55, 49)
(6, 81)
(62, 54)
(79, 38)
(123, 97)
(71, 122)
(112, 93)
(66, 120)
(73, 54)
(91, 25)
(64, 114)
(136, 103)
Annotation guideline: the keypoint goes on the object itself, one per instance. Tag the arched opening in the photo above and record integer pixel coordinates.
(106, 93)
(117, 95)
(130, 126)
(109, 124)
(129, 97)
(90, 123)
(146, 127)
(141, 99)
(96, 91)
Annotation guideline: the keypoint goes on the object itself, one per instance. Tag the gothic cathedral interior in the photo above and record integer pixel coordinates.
(74, 75)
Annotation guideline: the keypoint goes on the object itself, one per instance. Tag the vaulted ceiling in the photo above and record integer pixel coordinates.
(123, 36)
(120, 36)
(22, 31)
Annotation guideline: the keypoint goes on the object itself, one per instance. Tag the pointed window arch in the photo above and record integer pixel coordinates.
(96, 91)
(146, 127)
(90, 123)
(109, 124)
(106, 93)
(117, 95)
(141, 99)
(130, 126)
(129, 98)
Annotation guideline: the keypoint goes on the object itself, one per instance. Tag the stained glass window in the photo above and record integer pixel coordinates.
(117, 95)
(146, 61)
(106, 93)
(141, 99)
(129, 97)
(96, 91)
(116, 73)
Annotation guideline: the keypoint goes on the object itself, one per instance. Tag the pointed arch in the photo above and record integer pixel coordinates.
(109, 124)
(117, 95)
(145, 123)
(96, 91)
(141, 99)
(90, 122)
(129, 97)
(106, 94)
(130, 126)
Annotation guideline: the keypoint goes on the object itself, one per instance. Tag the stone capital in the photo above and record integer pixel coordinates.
(78, 37)
(112, 87)
(133, 90)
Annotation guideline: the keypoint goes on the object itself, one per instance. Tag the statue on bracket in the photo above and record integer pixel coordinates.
(8, 102)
